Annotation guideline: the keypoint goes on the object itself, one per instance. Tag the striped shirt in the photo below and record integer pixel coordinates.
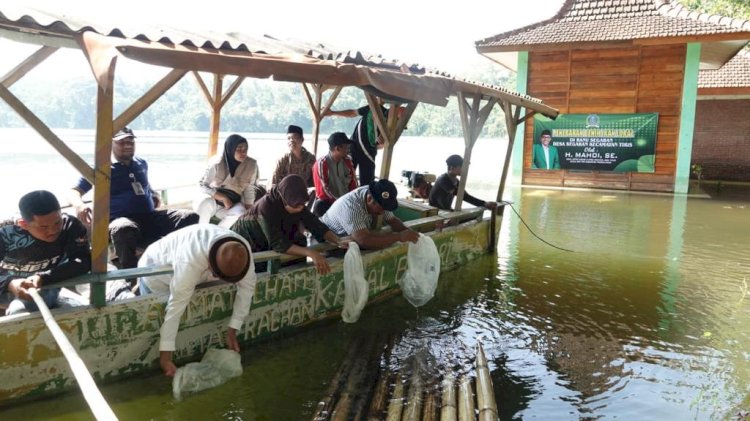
(348, 214)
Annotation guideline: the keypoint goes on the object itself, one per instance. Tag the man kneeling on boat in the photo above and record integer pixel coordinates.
(198, 253)
(353, 213)
(43, 247)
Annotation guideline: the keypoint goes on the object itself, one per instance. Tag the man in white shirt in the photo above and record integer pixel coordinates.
(198, 254)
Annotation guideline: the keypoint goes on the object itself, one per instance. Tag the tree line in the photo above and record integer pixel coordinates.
(260, 106)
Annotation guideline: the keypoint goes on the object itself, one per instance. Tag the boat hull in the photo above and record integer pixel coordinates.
(122, 339)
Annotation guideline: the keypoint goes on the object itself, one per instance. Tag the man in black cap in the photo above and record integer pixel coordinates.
(298, 161)
(353, 213)
(446, 186)
(134, 218)
(333, 174)
(198, 254)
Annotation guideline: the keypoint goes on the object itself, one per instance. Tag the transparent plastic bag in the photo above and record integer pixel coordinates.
(355, 285)
(216, 367)
(423, 269)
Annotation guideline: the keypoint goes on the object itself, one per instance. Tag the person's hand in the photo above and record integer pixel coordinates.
(157, 200)
(232, 340)
(490, 205)
(167, 366)
(224, 199)
(20, 288)
(321, 264)
(84, 214)
(408, 235)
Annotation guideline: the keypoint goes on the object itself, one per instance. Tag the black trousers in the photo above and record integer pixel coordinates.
(362, 163)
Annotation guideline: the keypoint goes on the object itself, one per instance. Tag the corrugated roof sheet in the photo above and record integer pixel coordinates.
(734, 74)
(591, 21)
(58, 24)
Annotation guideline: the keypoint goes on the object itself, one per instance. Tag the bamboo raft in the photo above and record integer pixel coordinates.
(364, 389)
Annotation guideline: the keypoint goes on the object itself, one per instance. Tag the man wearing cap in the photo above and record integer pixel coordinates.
(353, 213)
(298, 161)
(134, 219)
(446, 186)
(333, 174)
(198, 254)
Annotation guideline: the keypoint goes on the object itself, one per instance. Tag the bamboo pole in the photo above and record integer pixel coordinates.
(448, 410)
(377, 408)
(90, 392)
(485, 394)
(352, 390)
(323, 412)
(465, 400)
(430, 410)
(413, 407)
(396, 404)
(365, 389)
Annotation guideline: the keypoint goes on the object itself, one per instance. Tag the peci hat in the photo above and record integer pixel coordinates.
(338, 138)
(384, 192)
(229, 259)
(294, 129)
(124, 133)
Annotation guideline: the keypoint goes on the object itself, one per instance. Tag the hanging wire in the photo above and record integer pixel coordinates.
(534, 234)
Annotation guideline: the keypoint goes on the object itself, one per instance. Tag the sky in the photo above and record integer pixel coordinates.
(438, 34)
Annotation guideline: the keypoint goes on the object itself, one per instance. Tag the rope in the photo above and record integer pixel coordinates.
(534, 234)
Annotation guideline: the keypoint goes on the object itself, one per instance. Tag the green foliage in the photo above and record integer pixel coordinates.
(261, 106)
(729, 8)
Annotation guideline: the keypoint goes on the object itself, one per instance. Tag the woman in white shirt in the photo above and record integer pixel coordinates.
(229, 184)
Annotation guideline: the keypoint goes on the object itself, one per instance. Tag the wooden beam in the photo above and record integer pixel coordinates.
(27, 115)
(213, 141)
(101, 183)
(410, 108)
(145, 101)
(232, 89)
(204, 88)
(511, 117)
(467, 127)
(25, 66)
(377, 115)
(310, 100)
(484, 114)
(525, 117)
(331, 99)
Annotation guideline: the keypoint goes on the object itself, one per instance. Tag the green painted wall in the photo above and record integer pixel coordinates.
(687, 117)
(516, 162)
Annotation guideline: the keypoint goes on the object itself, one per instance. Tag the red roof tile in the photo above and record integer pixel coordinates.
(587, 20)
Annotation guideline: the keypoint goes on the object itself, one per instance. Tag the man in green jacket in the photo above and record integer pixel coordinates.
(543, 155)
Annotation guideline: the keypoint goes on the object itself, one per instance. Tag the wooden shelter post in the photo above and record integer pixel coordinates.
(512, 120)
(216, 100)
(472, 121)
(102, 171)
(317, 108)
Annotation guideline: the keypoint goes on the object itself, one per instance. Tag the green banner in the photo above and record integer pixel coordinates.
(602, 142)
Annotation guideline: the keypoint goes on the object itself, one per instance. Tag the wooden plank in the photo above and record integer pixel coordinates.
(215, 126)
(232, 89)
(657, 187)
(24, 67)
(579, 55)
(203, 87)
(605, 93)
(148, 98)
(45, 132)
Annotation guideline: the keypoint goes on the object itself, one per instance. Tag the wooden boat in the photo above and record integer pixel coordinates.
(121, 339)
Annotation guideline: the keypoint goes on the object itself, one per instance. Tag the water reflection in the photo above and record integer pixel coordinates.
(648, 318)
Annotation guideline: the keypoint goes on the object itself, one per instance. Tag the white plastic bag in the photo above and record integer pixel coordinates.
(216, 367)
(423, 269)
(355, 285)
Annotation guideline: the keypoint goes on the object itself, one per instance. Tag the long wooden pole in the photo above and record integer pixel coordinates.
(91, 393)
(215, 114)
(25, 66)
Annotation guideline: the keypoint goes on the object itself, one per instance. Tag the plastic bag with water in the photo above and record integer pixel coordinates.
(423, 269)
(216, 367)
(355, 285)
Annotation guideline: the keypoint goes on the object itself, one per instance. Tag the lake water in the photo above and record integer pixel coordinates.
(648, 318)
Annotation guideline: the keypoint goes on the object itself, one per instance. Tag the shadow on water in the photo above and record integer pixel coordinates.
(649, 318)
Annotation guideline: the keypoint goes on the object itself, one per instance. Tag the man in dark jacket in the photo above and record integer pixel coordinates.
(446, 186)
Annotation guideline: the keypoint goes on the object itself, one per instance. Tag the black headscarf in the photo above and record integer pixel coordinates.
(229, 147)
(292, 190)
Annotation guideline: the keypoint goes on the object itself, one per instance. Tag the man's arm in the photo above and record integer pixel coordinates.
(368, 239)
(242, 302)
(187, 274)
(75, 199)
(341, 113)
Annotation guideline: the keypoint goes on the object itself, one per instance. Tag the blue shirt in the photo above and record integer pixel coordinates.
(123, 199)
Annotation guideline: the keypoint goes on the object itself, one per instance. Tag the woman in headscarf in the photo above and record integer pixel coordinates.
(229, 183)
(276, 220)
